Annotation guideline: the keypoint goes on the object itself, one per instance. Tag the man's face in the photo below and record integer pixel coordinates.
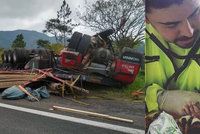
(178, 23)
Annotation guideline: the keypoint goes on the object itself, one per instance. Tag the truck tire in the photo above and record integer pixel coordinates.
(42, 53)
(2, 57)
(74, 41)
(84, 44)
(20, 55)
(5, 56)
(15, 56)
(10, 56)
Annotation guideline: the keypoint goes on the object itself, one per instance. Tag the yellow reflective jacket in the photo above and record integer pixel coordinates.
(158, 71)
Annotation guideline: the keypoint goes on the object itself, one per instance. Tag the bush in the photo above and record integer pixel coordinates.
(56, 47)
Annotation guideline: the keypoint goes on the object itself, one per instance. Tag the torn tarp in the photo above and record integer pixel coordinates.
(39, 93)
(15, 93)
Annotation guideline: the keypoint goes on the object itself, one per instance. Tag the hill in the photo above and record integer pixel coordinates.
(7, 37)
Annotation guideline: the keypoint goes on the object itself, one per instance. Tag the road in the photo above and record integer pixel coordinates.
(19, 120)
(25, 117)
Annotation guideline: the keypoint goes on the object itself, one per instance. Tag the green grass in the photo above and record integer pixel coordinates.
(119, 93)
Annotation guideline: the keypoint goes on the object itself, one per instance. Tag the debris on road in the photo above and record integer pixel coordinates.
(24, 79)
(27, 93)
(92, 114)
(92, 57)
(67, 83)
(15, 77)
(13, 93)
(19, 92)
(39, 93)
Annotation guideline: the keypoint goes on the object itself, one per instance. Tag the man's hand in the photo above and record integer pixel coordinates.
(192, 109)
(179, 103)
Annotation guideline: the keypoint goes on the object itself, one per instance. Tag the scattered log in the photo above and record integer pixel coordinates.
(8, 79)
(91, 114)
(49, 74)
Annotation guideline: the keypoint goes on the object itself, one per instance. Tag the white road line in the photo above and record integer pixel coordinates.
(76, 120)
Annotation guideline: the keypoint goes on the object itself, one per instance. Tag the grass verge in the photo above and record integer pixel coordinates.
(119, 93)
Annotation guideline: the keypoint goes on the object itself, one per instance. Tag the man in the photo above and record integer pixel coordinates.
(173, 54)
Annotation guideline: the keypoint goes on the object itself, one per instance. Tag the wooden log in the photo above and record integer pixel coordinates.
(17, 77)
(35, 79)
(72, 84)
(91, 114)
(63, 81)
(12, 80)
(16, 72)
(4, 85)
(8, 82)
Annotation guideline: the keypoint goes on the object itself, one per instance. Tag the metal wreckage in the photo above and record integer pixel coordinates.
(85, 59)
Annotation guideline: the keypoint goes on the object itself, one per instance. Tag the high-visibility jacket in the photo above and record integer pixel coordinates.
(158, 71)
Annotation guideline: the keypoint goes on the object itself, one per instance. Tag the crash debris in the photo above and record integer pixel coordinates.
(45, 82)
(92, 57)
(85, 59)
(18, 92)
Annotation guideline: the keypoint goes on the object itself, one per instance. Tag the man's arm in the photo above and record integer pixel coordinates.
(152, 97)
(179, 103)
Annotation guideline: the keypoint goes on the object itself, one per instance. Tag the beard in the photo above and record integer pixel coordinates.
(186, 42)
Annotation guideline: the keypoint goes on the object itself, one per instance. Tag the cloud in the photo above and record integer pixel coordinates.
(32, 14)
(25, 8)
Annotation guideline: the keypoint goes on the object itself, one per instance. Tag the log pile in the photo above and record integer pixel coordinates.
(10, 78)
(23, 78)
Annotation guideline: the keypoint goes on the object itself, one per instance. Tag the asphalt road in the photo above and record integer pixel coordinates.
(15, 122)
(134, 110)
(25, 117)
(19, 120)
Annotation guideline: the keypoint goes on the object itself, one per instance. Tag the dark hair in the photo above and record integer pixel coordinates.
(158, 4)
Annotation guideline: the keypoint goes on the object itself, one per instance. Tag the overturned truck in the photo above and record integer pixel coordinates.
(90, 57)
(19, 58)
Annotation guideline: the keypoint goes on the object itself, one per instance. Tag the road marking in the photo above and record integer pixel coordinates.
(76, 120)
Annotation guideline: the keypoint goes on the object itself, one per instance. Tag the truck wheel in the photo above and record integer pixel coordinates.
(10, 56)
(5, 56)
(20, 55)
(41, 52)
(17, 56)
(33, 51)
(2, 57)
(84, 44)
(74, 41)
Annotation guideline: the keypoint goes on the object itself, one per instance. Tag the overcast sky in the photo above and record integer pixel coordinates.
(33, 14)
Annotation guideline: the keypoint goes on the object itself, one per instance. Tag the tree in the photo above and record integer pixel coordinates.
(126, 17)
(43, 43)
(19, 42)
(56, 47)
(61, 26)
